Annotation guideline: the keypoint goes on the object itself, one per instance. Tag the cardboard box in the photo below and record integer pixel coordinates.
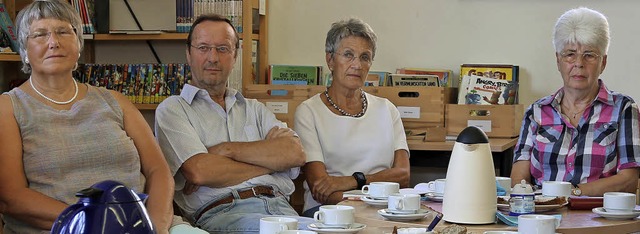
(495, 120)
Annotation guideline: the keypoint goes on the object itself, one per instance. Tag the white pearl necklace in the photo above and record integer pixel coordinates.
(54, 101)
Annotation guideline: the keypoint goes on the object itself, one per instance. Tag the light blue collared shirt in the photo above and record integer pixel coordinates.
(188, 124)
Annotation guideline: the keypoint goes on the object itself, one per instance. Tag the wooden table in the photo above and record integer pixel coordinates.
(502, 149)
(573, 221)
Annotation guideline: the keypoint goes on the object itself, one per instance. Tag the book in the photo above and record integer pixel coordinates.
(506, 72)
(8, 28)
(499, 71)
(310, 74)
(376, 78)
(480, 90)
(444, 75)
(293, 75)
(414, 80)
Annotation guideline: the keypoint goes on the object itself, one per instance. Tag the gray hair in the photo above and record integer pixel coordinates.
(346, 28)
(45, 9)
(582, 26)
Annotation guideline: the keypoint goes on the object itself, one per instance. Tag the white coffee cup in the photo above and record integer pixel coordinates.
(436, 186)
(297, 232)
(556, 188)
(619, 202)
(335, 215)
(537, 224)
(274, 224)
(413, 231)
(380, 189)
(404, 202)
(505, 183)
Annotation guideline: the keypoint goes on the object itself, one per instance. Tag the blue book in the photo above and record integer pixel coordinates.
(283, 92)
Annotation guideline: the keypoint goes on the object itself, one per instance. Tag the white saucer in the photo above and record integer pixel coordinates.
(355, 227)
(435, 197)
(413, 191)
(401, 212)
(403, 217)
(615, 216)
(374, 202)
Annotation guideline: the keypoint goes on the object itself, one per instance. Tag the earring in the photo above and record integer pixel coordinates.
(26, 60)
(75, 67)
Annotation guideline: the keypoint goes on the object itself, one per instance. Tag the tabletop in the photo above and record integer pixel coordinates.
(573, 221)
(497, 144)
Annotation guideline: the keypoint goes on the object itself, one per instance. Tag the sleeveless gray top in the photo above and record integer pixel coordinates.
(65, 151)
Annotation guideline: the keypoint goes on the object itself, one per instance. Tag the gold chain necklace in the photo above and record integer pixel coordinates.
(343, 112)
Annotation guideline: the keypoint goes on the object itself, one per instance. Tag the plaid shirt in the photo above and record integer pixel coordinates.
(605, 141)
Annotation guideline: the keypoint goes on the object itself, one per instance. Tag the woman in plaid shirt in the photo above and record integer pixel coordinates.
(584, 133)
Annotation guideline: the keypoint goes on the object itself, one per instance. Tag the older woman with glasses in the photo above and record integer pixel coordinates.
(584, 133)
(351, 138)
(59, 137)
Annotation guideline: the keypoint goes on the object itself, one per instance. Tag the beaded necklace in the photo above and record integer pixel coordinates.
(364, 105)
(50, 99)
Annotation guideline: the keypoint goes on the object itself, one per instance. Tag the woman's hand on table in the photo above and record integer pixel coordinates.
(324, 187)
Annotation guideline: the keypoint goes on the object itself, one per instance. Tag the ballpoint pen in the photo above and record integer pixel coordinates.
(435, 221)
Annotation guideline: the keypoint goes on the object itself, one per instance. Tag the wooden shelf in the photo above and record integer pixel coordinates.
(146, 106)
(154, 37)
(129, 37)
(10, 57)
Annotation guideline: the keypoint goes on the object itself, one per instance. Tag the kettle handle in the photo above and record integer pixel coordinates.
(65, 218)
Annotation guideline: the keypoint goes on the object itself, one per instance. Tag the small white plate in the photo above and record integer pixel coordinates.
(615, 216)
(401, 211)
(374, 202)
(435, 197)
(404, 217)
(355, 227)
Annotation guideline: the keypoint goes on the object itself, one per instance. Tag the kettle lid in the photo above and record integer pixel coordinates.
(472, 135)
(108, 192)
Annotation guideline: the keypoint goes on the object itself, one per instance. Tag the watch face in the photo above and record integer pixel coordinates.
(577, 191)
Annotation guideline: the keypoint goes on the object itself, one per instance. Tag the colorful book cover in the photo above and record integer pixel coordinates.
(293, 75)
(414, 80)
(8, 27)
(310, 74)
(376, 78)
(444, 76)
(499, 71)
(487, 91)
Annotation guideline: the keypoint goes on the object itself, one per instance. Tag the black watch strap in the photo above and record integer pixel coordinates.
(360, 178)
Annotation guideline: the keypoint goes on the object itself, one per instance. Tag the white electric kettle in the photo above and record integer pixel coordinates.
(470, 192)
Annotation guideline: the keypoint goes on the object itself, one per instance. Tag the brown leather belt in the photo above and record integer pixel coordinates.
(248, 193)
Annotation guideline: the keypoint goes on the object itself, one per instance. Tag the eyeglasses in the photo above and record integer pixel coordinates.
(205, 49)
(350, 57)
(61, 33)
(572, 56)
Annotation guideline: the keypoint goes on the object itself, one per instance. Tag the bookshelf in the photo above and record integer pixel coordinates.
(10, 64)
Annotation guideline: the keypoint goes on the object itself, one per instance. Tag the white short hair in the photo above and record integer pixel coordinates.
(582, 26)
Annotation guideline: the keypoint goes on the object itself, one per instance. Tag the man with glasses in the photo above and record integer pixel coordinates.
(233, 162)
(585, 133)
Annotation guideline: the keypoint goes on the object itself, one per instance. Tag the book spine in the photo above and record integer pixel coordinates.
(102, 16)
